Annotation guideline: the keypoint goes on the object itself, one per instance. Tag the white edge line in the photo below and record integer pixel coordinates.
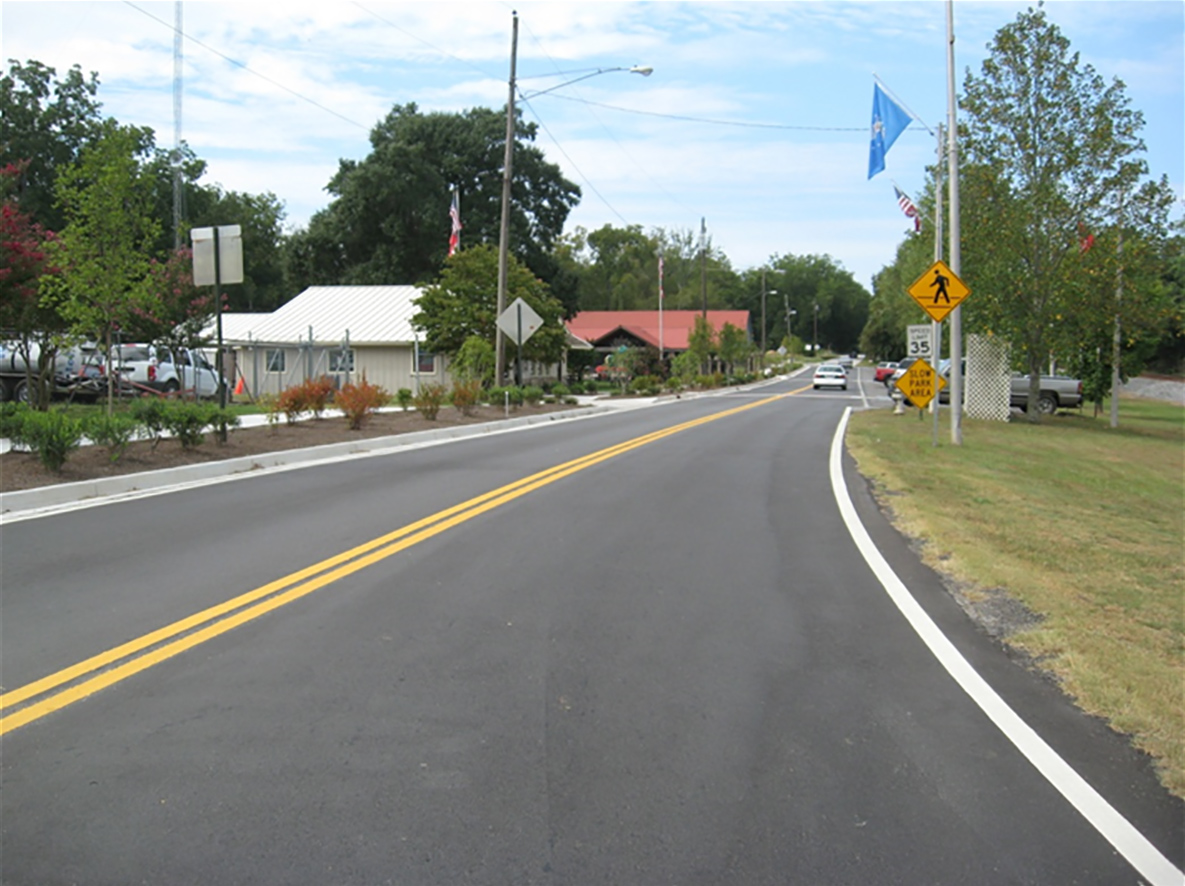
(1116, 829)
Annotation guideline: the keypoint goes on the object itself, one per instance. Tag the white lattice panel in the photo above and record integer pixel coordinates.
(989, 378)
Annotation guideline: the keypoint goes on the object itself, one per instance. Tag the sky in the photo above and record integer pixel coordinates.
(755, 118)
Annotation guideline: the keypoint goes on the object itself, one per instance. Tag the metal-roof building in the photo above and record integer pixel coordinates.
(340, 331)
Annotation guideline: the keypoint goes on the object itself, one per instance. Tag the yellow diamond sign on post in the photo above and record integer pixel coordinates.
(938, 291)
(918, 383)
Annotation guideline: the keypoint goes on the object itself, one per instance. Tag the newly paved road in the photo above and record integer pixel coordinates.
(666, 664)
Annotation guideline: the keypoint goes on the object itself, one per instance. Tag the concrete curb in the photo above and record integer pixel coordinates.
(69, 493)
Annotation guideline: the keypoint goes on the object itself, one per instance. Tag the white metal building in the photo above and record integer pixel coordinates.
(343, 332)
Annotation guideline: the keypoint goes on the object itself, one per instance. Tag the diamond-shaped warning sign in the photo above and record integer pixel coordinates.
(921, 383)
(938, 291)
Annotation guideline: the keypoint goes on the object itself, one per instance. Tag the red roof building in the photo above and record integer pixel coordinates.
(608, 330)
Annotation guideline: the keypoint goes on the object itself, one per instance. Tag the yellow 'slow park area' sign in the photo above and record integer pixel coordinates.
(921, 383)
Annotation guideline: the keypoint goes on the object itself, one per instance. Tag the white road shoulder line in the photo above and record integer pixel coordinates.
(1116, 829)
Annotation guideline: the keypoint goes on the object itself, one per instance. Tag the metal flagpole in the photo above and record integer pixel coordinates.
(956, 322)
(936, 326)
(660, 344)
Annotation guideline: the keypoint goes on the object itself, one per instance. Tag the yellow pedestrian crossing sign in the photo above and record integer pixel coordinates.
(938, 291)
(921, 383)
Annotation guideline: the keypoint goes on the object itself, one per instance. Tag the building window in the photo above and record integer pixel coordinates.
(341, 360)
(275, 359)
(427, 364)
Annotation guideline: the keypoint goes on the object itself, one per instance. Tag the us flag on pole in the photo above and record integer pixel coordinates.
(908, 208)
(454, 213)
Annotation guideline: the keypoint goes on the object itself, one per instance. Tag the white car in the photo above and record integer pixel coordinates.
(830, 375)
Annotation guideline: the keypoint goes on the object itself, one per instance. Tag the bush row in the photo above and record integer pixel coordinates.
(53, 435)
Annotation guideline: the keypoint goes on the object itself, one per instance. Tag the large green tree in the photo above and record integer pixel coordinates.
(1050, 150)
(464, 303)
(389, 222)
(816, 288)
(104, 250)
(45, 122)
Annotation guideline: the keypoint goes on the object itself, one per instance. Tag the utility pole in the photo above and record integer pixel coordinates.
(504, 232)
(178, 190)
(703, 262)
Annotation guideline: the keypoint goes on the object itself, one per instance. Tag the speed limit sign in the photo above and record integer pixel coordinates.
(921, 341)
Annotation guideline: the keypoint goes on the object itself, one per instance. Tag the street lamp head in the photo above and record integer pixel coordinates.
(644, 70)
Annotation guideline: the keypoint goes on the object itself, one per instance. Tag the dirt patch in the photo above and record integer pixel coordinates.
(22, 470)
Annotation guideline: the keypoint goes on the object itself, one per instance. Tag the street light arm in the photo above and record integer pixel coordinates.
(644, 70)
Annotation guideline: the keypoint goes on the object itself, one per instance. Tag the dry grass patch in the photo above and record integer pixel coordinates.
(1083, 524)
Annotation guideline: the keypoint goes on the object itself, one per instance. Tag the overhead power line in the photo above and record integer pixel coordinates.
(239, 64)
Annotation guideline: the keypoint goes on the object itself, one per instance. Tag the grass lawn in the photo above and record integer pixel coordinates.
(1082, 523)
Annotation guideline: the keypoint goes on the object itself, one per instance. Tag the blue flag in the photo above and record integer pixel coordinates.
(889, 120)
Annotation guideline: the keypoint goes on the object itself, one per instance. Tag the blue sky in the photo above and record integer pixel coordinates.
(756, 116)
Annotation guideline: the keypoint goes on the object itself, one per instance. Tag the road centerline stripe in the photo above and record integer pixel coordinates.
(120, 662)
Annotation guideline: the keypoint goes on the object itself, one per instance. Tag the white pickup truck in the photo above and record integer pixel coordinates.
(165, 370)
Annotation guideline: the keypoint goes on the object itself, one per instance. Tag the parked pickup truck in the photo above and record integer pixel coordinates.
(157, 368)
(1057, 391)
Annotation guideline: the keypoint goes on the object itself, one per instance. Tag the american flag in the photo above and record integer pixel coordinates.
(908, 208)
(454, 213)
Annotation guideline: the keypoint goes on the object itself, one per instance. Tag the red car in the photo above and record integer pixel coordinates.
(884, 371)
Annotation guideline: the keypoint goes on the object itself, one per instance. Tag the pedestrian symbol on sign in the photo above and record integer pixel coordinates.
(940, 281)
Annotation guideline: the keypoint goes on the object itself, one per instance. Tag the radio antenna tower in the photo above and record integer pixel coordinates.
(178, 191)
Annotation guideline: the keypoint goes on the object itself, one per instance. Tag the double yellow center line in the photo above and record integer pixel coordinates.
(57, 690)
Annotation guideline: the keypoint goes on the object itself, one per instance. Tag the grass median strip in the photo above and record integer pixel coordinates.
(1080, 523)
(78, 681)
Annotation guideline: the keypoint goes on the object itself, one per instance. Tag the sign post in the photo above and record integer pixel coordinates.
(217, 259)
(938, 292)
(519, 322)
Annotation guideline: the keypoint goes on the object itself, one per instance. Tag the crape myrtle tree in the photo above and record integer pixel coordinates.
(1049, 151)
(24, 261)
(388, 221)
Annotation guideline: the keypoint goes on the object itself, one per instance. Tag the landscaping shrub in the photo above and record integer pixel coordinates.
(466, 395)
(12, 417)
(646, 385)
(149, 413)
(430, 399)
(114, 432)
(502, 396)
(560, 390)
(404, 398)
(312, 395)
(532, 394)
(187, 421)
(358, 402)
(51, 435)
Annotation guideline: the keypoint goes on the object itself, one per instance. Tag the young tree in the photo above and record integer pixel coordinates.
(1048, 146)
(464, 303)
(701, 342)
(734, 346)
(104, 250)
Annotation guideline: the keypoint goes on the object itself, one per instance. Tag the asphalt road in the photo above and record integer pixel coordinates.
(665, 664)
